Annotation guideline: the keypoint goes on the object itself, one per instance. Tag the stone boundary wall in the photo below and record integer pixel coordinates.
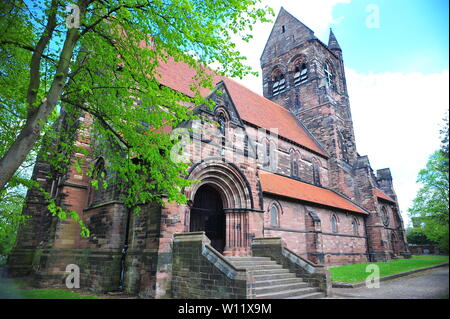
(316, 275)
(199, 271)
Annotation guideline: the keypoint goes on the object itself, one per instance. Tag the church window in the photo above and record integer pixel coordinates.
(267, 154)
(283, 29)
(300, 73)
(316, 173)
(246, 145)
(98, 177)
(274, 215)
(385, 216)
(222, 121)
(297, 101)
(279, 84)
(328, 75)
(334, 227)
(355, 226)
(294, 165)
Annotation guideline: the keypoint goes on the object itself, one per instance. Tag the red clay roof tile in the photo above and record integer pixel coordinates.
(288, 187)
(380, 194)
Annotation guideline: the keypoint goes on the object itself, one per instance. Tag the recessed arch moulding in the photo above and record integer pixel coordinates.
(239, 194)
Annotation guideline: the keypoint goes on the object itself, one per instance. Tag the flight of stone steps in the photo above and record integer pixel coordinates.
(272, 281)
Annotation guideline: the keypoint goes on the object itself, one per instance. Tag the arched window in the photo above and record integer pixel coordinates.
(385, 216)
(274, 215)
(98, 177)
(300, 73)
(222, 123)
(334, 226)
(246, 145)
(355, 226)
(316, 172)
(294, 164)
(267, 154)
(279, 83)
(328, 75)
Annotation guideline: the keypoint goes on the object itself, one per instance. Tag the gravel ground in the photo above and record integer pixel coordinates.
(429, 284)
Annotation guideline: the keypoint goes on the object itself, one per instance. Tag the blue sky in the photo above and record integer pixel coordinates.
(412, 35)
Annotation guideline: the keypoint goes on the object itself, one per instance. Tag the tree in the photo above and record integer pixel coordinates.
(101, 60)
(431, 205)
(417, 236)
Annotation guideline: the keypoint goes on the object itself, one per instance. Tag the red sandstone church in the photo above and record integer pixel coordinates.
(269, 214)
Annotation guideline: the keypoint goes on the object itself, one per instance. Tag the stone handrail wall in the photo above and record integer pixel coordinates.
(315, 274)
(200, 271)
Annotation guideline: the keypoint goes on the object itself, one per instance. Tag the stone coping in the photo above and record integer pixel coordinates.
(337, 284)
(213, 256)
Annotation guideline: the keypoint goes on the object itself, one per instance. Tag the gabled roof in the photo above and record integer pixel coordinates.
(288, 187)
(252, 107)
(380, 194)
(287, 30)
(256, 109)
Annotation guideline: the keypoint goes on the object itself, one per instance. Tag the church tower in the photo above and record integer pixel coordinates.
(307, 77)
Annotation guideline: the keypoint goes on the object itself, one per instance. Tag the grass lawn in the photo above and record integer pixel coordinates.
(357, 272)
(16, 289)
(53, 294)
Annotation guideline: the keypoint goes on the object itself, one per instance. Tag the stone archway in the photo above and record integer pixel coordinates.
(226, 182)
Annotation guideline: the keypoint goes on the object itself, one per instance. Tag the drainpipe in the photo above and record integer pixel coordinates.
(124, 253)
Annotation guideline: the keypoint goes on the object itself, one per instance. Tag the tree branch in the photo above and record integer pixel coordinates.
(99, 117)
(35, 63)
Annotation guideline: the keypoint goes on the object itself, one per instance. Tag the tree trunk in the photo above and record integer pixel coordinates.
(38, 116)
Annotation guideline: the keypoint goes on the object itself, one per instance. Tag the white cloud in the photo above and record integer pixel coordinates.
(397, 117)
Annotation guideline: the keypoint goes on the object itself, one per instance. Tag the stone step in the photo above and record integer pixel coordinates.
(282, 281)
(279, 288)
(287, 293)
(257, 272)
(314, 295)
(261, 267)
(248, 258)
(273, 276)
(253, 263)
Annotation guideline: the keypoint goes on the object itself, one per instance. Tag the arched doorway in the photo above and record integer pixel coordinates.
(207, 215)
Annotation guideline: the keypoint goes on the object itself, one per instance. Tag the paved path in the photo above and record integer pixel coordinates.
(429, 284)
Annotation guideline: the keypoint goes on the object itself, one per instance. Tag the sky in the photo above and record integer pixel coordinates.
(396, 62)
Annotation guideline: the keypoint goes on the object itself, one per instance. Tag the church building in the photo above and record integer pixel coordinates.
(282, 194)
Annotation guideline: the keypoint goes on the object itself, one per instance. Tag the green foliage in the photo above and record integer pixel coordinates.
(417, 236)
(431, 205)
